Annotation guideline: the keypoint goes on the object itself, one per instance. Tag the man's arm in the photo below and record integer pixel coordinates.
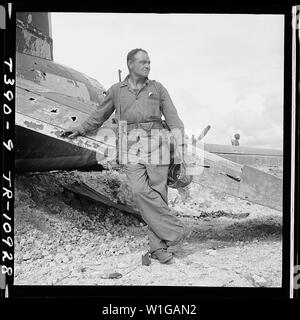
(172, 119)
(168, 109)
(95, 120)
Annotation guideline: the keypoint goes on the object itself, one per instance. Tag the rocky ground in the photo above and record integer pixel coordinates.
(64, 240)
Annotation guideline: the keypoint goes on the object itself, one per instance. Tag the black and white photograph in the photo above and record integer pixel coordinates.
(83, 215)
(150, 150)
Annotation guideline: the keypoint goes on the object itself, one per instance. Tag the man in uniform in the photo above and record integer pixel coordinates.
(141, 103)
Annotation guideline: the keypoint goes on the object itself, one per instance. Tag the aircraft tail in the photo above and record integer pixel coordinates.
(34, 34)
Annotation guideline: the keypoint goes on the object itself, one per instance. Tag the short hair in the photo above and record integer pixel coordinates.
(132, 53)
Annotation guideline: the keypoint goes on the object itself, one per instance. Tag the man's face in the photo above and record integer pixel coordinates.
(141, 64)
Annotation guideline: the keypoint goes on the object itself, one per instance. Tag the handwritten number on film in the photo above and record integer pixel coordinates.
(7, 192)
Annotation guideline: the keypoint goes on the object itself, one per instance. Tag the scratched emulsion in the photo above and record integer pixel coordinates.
(33, 43)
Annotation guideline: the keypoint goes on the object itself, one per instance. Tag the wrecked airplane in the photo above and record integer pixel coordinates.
(51, 97)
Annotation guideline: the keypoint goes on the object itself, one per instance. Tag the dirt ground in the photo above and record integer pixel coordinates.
(63, 240)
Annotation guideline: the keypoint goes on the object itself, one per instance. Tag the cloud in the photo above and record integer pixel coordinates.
(222, 70)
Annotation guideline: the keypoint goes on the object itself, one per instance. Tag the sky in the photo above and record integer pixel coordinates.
(221, 70)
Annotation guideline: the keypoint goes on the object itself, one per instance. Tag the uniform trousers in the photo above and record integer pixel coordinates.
(150, 192)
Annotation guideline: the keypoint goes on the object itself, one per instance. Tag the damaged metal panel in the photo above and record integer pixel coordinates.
(95, 89)
(215, 178)
(56, 131)
(26, 63)
(71, 102)
(37, 20)
(248, 155)
(65, 86)
(32, 41)
(218, 148)
(218, 173)
(40, 108)
(210, 158)
(87, 107)
(254, 160)
(31, 86)
(59, 84)
(36, 152)
(240, 181)
(59, 78)
(261, 187)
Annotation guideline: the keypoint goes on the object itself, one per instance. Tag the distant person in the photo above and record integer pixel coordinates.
(235, 141)
(141, 103)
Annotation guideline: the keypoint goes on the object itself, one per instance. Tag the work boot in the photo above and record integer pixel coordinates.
(163, 256)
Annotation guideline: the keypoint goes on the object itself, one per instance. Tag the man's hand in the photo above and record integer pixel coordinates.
(71, 133)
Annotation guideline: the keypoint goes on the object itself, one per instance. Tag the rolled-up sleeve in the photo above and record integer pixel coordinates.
(99, 116)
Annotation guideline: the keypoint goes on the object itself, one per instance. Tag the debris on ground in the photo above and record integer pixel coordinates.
(259, 281)
(61, 239)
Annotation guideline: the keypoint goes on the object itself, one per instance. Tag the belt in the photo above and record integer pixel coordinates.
(137, 125)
